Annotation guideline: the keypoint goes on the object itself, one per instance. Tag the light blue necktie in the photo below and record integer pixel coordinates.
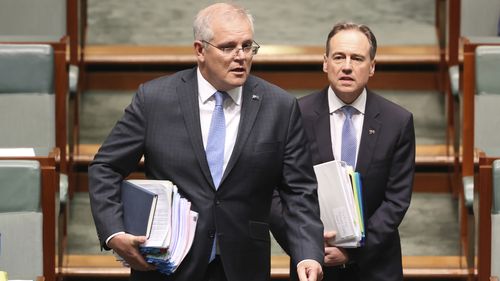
(215, 146)
(348, 153)
(216, 139)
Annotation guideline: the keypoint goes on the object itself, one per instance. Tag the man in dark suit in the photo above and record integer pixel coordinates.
(384, 155)
(169, 122)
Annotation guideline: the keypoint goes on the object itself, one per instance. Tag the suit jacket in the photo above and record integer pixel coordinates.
(163, 124)
(386, 162)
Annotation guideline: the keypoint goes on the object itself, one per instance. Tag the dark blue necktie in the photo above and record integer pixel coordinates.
(349, 144)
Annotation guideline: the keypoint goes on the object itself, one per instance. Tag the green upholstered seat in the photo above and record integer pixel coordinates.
(20, 186)
(21, 248)
(27, 99)
(487, 100)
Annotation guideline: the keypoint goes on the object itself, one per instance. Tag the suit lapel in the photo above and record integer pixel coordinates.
(187, 94)
(322, 127)
(251, 102)
(369, 135)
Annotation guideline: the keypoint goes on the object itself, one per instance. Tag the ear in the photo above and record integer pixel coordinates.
(199, 50)
(372, 68)
(325, 63)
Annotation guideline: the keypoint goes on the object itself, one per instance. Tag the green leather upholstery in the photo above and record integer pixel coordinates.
(454, 74)
(27, 99)
(487, 67)
(495, 221)
(26, 68)
(496, 188)
(21, 254)
(21, 235)
(487, 99)
(20, 186)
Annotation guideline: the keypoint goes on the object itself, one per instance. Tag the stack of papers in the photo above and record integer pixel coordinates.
(341, 203)
(169, 226)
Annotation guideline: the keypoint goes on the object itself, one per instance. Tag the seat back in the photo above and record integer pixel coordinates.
(27, 97)
(35, 19)
(495, 221)
(21, 219)
(487, 99)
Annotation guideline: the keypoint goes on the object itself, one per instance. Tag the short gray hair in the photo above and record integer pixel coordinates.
(202, 28)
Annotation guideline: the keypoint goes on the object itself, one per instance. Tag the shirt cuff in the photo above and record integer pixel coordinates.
(304, 261)
(113, 235)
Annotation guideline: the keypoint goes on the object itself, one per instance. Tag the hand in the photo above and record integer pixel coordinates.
(309, 270)
(127, 247)
(334, 255)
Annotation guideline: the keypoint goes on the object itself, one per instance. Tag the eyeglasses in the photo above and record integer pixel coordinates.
(248, 49)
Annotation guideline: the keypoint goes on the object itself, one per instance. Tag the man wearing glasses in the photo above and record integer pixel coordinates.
(227, 139)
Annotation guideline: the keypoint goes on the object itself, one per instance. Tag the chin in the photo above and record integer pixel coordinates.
(238, 81)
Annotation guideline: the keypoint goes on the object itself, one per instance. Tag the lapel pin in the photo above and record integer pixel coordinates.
(255, 97)
(371, 132)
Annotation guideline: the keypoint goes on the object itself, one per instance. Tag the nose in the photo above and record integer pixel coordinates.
(347, 63)
(240, 54)
(347, 66)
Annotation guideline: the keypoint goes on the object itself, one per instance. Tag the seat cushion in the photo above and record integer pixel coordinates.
(28, 120)
(20, 185)
(21, 250)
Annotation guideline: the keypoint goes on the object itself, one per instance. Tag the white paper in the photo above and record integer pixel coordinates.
(160, 230)
(337, 203)
(13, 152)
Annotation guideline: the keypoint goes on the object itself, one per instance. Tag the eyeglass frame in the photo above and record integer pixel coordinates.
(253, 49)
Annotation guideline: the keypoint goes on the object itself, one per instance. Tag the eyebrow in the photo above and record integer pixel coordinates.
(233, 43)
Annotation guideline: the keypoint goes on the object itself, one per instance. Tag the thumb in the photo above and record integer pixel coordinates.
(140, 240)
(329, 234)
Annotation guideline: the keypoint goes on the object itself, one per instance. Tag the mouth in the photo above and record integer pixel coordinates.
(346, 78)
(238, 70)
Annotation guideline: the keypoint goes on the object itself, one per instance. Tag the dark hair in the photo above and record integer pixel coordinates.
(353, 26)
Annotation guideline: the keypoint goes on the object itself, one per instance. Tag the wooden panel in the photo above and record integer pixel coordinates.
(413, 267)
(292, 80)
(432, 182)
(268, 54)
(485, 192)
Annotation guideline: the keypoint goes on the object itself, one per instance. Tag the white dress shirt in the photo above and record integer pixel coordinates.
(232, 113)
(337, 118)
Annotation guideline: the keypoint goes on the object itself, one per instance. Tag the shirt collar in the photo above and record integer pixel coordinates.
(206, 90)
(334, 103)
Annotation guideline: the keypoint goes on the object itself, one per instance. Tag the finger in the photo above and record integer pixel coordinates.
(301, 273)
(312, 275)
(329, 234)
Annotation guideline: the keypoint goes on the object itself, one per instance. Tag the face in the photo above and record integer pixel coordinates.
(224, 71)
(348, 65)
